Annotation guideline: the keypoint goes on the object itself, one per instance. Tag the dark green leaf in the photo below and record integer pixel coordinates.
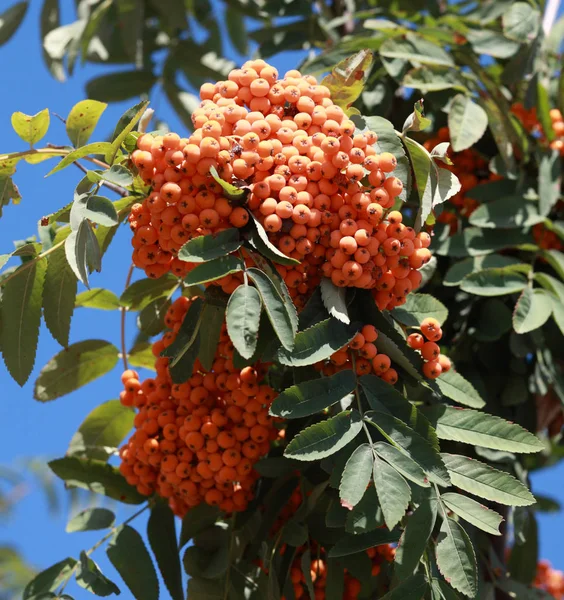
(11, 19)
(82, 251)
(459, 270)
(402, 463)
(91, 519)
(259, 241)
(214, 269)
(187, 334)
(50, 579)
(243, 319)
(74, 367)
(232, 192)
(356, 476)
(141, 293)
(150, 320)
(455, 387)
(210, 247)
(393, 492)
(213, 317)
(235, 22)
(90, 577)
(197, 519)
(366, 515)
(550, 179)
(419, 307)
(412, 588)
(82, 120)
(351, 544)
(533, 309)
(116, 87)
(473, 512)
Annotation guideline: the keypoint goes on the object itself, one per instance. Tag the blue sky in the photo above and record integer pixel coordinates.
(32, 429)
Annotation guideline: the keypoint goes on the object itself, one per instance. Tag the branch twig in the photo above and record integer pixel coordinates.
(123, 314)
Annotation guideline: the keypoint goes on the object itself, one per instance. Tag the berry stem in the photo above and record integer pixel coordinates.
(120, 191)
(123, 313)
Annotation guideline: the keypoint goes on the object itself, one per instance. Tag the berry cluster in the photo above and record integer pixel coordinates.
(550, 580)
(426, 342)
(530, 121)
(546, 239)
(315, 183)
(197, 441)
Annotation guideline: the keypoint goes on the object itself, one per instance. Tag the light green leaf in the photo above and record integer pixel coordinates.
(210, 247)
(82, 120)
(475, 513)
(482, 480)
(415, 50)
(419, 307)
(91, 519)
(433, 78)
(533, 309)
(74, 367)
(90, 577)
(325, 438)
(232, 192)
(31, 129)
(102, 431)
(351, 544)
(402, 463)
(97, 298)
(550, 179)
(129, 555)
(94, 149)
(125, 126)
(492, 43)
(493, 282)
(141, 293)
(117, 174)
(100, 210)
(455, 387)
(393, 492)
(416, 121)
(21, 314)
(556, 260)
(334, 300)
(459, 270)
(96, 476)
(356, 476)
(467, 122)
(312, 397)
(214, 269)
(456, 559)
(243, 318)
(521, 22)
(423, 169)
(82, 251)
(480, 429)
(141, 355)
(508, 212)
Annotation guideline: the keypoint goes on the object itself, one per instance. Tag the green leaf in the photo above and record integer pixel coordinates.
(150, 320)
(411, 443)
(318, 343)
(533, 309)
(141, 355)
(117, 174)
(232, 192)
(94, 149)
(524, 556)
(116, 87)
(74, 367)
(556, 261)
(482, 480)
(125, 126)
(234, 19)
(90, 577)
(473, 512)
(103, 430)
(334, 300)
(423, 166)
(473, 241)
(456, 559)
(419, 307)
(491, 43)
(210, 247)
(508, 212)
(50, 579)
(161, 531)
(412, 588)
(82, 119)
(214, 269)
(91, 519)
(213, 317)
(454, 386)
(96, 476)
(480, 429)
(433, 78)
(129, 555)
(346, 80)
(205, 589)
(402, 463)
(11, 19)
(416, 50)
(141, 293)
(187, 333)
(100, 210)
(30, 128)
(494, 320)
(393, 492)
(311, 397)
(258, 239)
(196, 520)
(493, 282)
(243, 318)
(184, 103)
(97, 298)
(208, 557)
(521, 22)
(325, 438)
(356, 476)
(83, 251)
(414, 539)
(366, 515)
(59, 293)
(467, 122)
(459, 270)
(416, 121)
(279, 313)
(351, 544)
(21, 314)
(550, 179)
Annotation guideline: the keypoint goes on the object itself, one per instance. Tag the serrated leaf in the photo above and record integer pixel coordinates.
(90, 577)
(318, 343)
(393, 492)
(91, 519)
(161, 532)
(279, 313)
(533, 309)
(356, 476)
(456, 559)
(480, 429)
(102, 431)
(21, 314)
(493, 282)
(351, 544)
(414, 538)
(243, 319)
(94, 149)
(214, 269)
(454, 386)
(209, 247)
(74, 367)
(258, 239)
(334, 300)
(475, 513)
(467, 122)
(82, 120)
(325, 438)
(100, 210)
(508, 212)
(459, 270)
(196, 520)
(366, 515)
(30, 128)
(482, 480)
(412, 588)
(59, 293)
(213, 317)
(50, 579)
(402, 463)
(96, 476)
(129, 555)
(141, 293)
(419, 307)
(312, 397)
(187, 334)
(125, 126)
(411, 443)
